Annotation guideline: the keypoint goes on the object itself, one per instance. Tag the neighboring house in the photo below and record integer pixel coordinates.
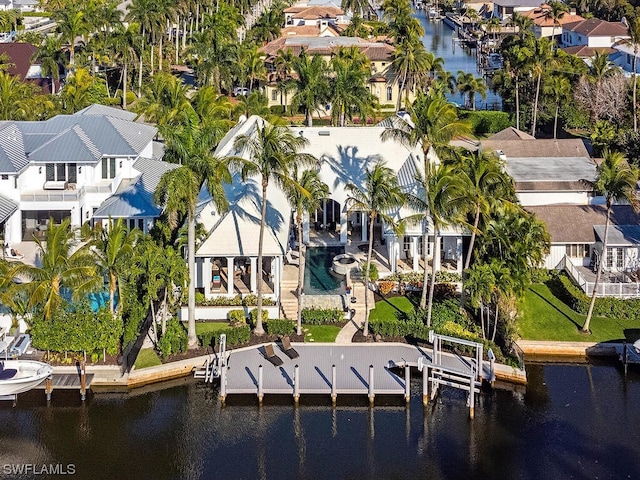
(345, 154)
(543, 24)
(623, 56)
(504, 9)
(594, 33)
(67, 166)
(19, 57)
(315, 15)
(20, 5)
(381, 84)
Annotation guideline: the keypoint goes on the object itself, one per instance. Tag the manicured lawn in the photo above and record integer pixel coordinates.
(388, 307)
(545, 317)
(321, 333)
(147, 358)
(204, 327)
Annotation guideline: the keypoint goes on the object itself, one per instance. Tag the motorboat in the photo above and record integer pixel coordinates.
(18, 376)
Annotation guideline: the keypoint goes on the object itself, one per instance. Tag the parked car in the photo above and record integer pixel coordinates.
(240, 91)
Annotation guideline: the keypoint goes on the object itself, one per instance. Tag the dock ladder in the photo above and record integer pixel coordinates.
(213, 366)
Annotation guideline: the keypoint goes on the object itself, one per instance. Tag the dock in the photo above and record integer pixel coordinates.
(628, 355)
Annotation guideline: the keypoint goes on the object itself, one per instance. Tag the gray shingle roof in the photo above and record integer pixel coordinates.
(619, 235)
(7, 207)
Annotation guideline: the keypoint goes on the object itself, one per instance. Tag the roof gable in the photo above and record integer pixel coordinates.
(72, 145)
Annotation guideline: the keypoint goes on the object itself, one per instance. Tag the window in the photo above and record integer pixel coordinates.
(620, 257)
(577, 250)
(5, 177)
(61, 172)
(609, 258)
(108, 168)
(274, 95)
(389, 94)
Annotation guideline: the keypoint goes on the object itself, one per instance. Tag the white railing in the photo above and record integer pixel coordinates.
(621, 289)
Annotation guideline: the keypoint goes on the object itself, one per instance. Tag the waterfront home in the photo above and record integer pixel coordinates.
(504, 9)
(21, 64)
(231, 248)
(593, 33)
(66, 167)
(315, 15)
(544, 25)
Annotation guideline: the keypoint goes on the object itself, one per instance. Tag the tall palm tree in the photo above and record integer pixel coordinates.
(273, 154)
(540, 63)
(380, 194)
(601, 67)
(64, 265)
(469, 85)
(15, 98)
(311, 84)
(71, 24)
(125, 41)
(359, 8)
(304, 196)
(410, 68)
(556, 12)
(560, 91)
(50, 57)
(433, 123)
(617, 180)
(348, 92)
(191, 142)
(113, 248)
(634, 39)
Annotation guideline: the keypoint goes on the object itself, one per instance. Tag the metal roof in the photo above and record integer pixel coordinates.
(7, 207)
(12, 157)
(103, 110)
(136, 199)
(72, 145)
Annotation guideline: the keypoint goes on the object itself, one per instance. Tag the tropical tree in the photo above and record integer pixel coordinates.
(72, 24)
(16, 98)
(125, 41)
(51, 59)
(63, 265)
(601, 67)
(305, 196)
(359, 8)
(379, 196)
(273, 154)
(82, 89)
(634, 39)
(114, 246)
(433, 121)
(617, 180)
(560, 91)
(555, 13)
(540, 63)
(469, 85)
(410, 68)
(311, 84)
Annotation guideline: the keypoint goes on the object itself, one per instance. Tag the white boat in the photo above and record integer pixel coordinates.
(18, 376)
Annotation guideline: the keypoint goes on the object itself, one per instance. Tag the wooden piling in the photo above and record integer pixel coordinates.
(334, 393)
(407, 383)
(472, 397)
(296, 384)
(260, 386)
(223, 383)
(83, 380)
(372, 394)
(48, 387)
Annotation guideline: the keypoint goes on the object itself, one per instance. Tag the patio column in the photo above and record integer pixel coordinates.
(230, 275)
(305, 228)
(459, 254)
(365, 231)
(436, 254)
(324, 212)
(343, 227)
(206, 277)
(414, 254)
(391, 252)
(252, 275)
(276, 268)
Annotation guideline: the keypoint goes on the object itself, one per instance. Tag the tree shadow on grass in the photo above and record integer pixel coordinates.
(413, 298)
(556, 308)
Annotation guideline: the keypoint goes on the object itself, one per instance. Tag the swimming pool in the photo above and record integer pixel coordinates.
(318, 278)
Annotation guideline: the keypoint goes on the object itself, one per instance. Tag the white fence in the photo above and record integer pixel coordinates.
(623, 288)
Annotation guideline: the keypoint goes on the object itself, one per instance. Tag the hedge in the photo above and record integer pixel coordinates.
(235, 336)
(321, 316)
(277, 109)
(280, 326)
(487, 121)
(237, 301)
(237, 316)
(174, 340)
(253, 314)
(608, 307)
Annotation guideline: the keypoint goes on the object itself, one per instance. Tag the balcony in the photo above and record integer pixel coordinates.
(69, 194)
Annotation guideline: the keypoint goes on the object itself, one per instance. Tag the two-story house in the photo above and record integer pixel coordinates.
(593, 33)
(543, 24)
(67, 166)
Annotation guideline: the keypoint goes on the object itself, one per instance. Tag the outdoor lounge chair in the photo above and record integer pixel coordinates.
(291, 259)
(271, 355)
(288, 349)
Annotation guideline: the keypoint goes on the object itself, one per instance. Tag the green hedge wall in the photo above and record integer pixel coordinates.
(321, 316)
(608, 307)
(487, 121)
(280, 326)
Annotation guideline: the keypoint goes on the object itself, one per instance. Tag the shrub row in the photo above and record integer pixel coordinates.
(235, 336)
(415, 278)
(320, 316)
(237, 301)
(280, 326)
(608, 307)
(487, 121)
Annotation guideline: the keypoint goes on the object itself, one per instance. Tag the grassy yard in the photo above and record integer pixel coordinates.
(321, 333)
(147, 358)
(545, 317)
(388, 307)
(205, 327)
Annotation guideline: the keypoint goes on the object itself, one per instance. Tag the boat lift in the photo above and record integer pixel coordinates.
(213, 366)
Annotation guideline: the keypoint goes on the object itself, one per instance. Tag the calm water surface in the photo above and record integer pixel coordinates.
(571, 422)
(318, 279)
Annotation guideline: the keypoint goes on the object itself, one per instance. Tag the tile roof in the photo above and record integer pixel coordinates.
(575, 223)
(583, 51)
(537, 148)
(7, 207)
(19, 55)
(317, 12)
(511, 133)
(328, 45)
(541, 18)
(594, 27)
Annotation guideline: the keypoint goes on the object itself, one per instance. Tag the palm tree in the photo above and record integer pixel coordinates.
(617, 180)
(410, 68)
(433, 123)
(273, 154)
(379, 195)
(125, 40)
(81, 89)
(469, 85)
(71, 24)
(114, 248)
(601, 67)
(359, 8)
(558, 9)
(64, 265)
(634, 39)
(50, 57)
(540, 61)
(311, 84)
(305, 197)
(191, 142)
(560, 90)
(15, 98)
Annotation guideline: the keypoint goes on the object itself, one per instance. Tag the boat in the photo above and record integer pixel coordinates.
(494, 61)
(18, 376)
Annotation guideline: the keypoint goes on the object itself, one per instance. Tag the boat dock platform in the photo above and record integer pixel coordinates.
(628, 355)
(357, 369)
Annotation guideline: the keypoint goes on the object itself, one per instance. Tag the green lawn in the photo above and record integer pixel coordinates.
(321, 333)
(147, 357)
(388, 307)
(204, 327)
(545, 317)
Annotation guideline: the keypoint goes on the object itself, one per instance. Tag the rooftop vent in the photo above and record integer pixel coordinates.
(501, 155)
(324, 133)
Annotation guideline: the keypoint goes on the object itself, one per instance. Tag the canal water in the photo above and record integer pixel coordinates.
(571, 421)
(438, 38)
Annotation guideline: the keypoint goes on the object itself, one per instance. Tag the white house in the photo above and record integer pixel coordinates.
(593, 33)
(543, 24)
(504, 9)
(66, 167)
(345, 154)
